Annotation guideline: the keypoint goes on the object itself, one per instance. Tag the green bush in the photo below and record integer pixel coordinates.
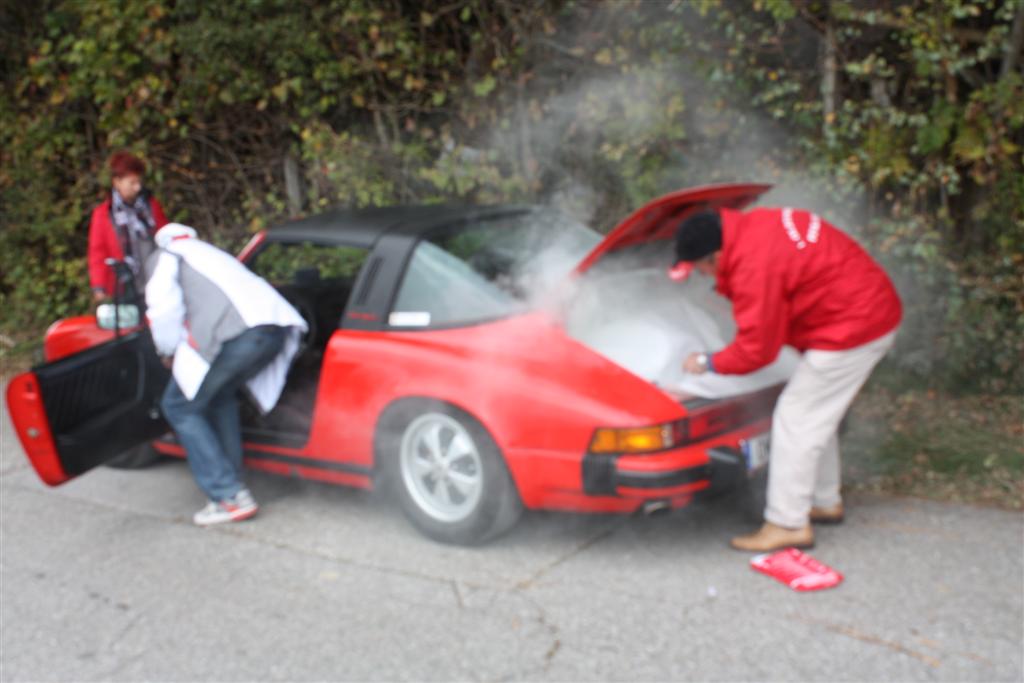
(905, 115)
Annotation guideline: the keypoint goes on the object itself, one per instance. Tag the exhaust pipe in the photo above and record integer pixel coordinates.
(656, 508)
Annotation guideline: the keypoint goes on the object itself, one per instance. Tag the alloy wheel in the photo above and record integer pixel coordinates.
(441, 467)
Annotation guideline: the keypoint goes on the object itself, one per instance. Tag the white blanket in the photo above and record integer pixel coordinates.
(649, 324)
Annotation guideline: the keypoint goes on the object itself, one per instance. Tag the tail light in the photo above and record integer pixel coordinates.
(728, 414)
(713, 421)
(650, 439)
(703, 422)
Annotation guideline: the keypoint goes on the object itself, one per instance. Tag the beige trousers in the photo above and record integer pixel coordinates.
(804, 465)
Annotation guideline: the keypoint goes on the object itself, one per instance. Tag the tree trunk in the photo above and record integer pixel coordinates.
(292, 185)
(526, 159)
(378, 127)
(829, 74)
(1015, 43)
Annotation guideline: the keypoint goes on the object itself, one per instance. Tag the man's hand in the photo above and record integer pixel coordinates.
(168, 361)
(98, 296)
(693, 364)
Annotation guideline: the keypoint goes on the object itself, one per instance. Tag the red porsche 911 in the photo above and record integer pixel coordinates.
(474, 361)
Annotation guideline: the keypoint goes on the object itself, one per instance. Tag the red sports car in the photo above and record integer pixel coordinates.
(475, 360)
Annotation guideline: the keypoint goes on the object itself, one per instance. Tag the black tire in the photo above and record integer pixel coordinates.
(136, 458)
(497, 507)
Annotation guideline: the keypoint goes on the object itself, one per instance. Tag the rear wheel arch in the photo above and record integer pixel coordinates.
(499, 505)
(396, 413)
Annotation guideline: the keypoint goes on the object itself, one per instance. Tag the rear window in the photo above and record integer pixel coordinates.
(487, 269)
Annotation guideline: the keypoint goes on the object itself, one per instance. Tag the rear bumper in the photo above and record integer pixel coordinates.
(646, 477)
(661, 480)
(664, 475)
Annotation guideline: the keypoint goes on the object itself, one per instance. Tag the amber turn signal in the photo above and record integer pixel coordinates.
(634, 439)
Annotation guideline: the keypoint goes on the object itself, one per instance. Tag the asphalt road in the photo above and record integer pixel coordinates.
(105, 578)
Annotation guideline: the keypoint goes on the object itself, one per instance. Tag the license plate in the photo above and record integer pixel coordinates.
(755, 451)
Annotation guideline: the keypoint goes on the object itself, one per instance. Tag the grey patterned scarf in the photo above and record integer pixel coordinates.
(133, 224)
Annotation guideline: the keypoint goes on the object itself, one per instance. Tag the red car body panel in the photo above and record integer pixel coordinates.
(252, 245)
(25, 404)
(287, 469)
(71, 335)
(538, 392)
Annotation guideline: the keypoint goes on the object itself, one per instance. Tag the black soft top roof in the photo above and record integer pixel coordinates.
(362, 227)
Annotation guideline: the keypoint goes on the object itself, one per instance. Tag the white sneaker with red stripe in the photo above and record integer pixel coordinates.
(241, 506)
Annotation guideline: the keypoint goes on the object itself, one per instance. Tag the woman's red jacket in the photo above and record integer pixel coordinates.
(103, 243)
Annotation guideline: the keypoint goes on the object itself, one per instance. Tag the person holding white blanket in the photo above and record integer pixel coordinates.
(221, 328)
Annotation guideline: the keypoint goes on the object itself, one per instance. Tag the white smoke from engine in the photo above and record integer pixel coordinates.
(649, 324)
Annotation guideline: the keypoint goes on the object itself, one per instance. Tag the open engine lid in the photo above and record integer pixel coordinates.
(658, 219)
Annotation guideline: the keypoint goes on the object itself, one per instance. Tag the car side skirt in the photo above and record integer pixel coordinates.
(285, 464)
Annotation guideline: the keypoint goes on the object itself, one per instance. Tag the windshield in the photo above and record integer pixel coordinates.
(488, 268)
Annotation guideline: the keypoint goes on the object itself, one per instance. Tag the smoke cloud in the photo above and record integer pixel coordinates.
(629, 312)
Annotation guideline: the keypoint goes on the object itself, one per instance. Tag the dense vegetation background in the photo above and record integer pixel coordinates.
(902, 120)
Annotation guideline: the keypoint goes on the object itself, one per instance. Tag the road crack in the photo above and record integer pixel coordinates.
(458, 595)
(871, 639)
(530, 581)
(542, 619)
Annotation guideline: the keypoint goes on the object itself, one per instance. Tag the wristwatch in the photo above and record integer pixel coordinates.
(702, 360)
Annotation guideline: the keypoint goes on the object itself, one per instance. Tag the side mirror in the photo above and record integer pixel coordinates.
(117, 316)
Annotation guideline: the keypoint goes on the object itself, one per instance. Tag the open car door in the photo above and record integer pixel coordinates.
(83, 410)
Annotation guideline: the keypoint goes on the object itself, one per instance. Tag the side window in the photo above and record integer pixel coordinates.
(439, 288)
(482, 269)
(306, 263)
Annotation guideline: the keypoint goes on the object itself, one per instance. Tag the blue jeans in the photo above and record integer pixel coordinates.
(208, 426)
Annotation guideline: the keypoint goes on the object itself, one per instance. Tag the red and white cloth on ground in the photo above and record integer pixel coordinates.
(797, 569)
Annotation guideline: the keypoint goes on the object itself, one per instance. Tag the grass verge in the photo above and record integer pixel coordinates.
(927, 444)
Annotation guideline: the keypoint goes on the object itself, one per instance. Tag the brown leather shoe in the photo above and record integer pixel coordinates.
(829, 515)
(771, 537)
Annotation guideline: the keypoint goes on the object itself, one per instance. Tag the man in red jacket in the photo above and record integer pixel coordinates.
(794, 279)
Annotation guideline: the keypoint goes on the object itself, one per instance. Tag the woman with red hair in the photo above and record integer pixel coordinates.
(122, 226)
